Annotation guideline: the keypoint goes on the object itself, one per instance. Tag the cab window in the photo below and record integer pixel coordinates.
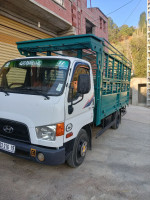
(80, 69)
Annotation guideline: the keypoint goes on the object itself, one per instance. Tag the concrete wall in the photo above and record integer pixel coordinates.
(138, 91)
(64, 11)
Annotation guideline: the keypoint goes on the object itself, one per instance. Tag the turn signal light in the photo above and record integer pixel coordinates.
(60, 129)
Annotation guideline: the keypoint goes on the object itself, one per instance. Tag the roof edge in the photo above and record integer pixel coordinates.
(99, 10)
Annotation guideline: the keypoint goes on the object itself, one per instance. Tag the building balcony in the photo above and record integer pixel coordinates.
(34, 14)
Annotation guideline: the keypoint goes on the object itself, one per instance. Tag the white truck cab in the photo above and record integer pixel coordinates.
(41, 110)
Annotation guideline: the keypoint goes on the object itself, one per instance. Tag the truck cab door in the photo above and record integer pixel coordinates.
(82, 108)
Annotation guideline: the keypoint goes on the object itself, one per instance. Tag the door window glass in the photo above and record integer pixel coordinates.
(80, 69)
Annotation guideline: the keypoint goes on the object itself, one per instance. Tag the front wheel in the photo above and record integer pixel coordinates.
(77, 156)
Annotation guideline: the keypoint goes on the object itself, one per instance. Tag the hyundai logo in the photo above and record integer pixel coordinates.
(8, 129)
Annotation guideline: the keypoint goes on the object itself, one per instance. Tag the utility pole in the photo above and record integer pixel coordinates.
(90, 4)
(148, 52)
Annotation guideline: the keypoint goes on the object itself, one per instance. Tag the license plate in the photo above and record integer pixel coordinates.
(7, 147)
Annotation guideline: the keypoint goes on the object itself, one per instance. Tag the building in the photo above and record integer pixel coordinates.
(35, 19)
(89, 20)
(148, 52)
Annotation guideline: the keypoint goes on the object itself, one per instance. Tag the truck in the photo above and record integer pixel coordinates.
(53, 95)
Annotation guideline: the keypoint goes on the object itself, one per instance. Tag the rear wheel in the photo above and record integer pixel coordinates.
(117, 121)
(77, 156)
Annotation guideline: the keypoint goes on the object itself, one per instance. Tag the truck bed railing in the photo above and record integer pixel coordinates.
(116, 53)
(111, 69)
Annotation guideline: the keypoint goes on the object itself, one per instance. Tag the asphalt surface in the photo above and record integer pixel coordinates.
(118, 167)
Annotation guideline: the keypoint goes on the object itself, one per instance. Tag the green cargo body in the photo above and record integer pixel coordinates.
(111, 70)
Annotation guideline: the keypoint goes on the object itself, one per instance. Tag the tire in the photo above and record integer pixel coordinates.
(78, 154)
(117, 122)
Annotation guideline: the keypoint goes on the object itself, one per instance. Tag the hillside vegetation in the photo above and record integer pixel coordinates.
(131, 42)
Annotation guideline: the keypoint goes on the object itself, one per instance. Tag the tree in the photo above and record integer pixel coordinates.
(138, 49)
(131, 42)
(117, 34)
(142, 22)
(112, 31)
(125, 31)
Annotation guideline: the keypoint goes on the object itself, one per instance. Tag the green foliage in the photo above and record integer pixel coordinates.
(138, 49)
(125, 32)
(131, 42)
(117, 34)
(142, 22)
(113, 31)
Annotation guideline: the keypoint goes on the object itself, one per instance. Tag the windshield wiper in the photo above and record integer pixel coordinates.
(3, 90)
(41, 93)
(36, 91)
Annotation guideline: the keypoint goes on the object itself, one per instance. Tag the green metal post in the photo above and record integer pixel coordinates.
(107, 62)
(98, 89)
(48, 53)
(79, 53)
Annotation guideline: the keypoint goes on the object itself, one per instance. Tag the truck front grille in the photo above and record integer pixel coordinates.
(14, 130)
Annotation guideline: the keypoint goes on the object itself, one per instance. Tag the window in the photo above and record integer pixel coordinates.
(104, 27)
(80, 69)
(90, 27)
(101, 23)
(34, 76)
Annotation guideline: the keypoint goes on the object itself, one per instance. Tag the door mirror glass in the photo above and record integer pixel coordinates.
(83, 84)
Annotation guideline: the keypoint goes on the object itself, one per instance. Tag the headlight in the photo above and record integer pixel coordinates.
(46, 132)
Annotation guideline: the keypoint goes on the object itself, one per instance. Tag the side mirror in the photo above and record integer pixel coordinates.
(83, 84)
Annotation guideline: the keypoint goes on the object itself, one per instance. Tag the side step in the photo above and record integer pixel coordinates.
(105, 128)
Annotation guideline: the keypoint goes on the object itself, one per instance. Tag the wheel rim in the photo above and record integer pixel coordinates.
(82, 149)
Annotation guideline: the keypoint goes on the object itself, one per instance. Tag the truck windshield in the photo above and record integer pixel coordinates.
(47, 76)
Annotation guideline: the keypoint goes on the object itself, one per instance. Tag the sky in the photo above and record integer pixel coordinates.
(129, 14)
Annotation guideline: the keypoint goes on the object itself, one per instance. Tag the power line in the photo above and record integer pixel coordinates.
(132, 11)
(113, 12)
(120, 7)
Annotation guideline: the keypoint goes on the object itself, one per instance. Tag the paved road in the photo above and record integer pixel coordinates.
(118, 167)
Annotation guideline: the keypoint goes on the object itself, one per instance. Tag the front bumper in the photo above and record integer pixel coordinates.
(23, 150)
